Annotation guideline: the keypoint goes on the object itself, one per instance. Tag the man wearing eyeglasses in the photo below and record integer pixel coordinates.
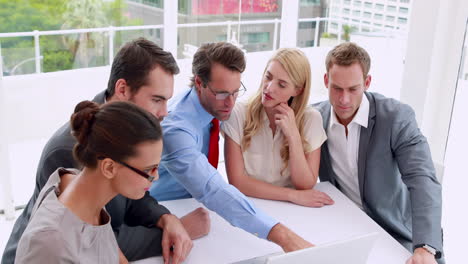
(190, 149)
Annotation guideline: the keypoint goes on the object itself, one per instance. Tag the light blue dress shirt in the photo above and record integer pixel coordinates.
(184, 170)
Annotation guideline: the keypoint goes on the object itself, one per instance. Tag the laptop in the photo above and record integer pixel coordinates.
(353, 250)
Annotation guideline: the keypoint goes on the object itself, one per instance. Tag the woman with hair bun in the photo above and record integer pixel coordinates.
(119, 146)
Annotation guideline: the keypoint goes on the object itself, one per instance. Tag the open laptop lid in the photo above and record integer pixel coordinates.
(353, 250)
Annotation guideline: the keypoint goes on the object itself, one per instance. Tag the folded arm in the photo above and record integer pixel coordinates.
(250, 186)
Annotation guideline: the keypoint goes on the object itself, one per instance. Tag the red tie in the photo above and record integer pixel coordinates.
(213, 151)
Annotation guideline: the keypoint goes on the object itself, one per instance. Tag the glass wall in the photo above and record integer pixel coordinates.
(46, 36)
(306, 33)
(220, 20)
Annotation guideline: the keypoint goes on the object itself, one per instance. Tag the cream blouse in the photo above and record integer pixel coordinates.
(262, 159)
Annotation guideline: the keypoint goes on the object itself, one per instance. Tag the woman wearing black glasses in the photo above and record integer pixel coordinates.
(119, 146)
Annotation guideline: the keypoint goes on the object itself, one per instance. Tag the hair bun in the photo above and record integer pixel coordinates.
(82, 120)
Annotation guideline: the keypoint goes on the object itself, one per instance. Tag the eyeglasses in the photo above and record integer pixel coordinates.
(142, 173)
(223, 95)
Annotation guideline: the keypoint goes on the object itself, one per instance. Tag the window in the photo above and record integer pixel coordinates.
(356, 13)
(255, 37)
(357, 3)
(221, 38)
(367, 4)
(402, 20)
(403, 10)
(154, 3)
(346, 11)
(347, 2)
(334, 25)
(390, 18)
(378, 16)
(366, 22)
(379, 6)
(306, 25)
(309, 2)
(391, 8)
(309, 43)
(367, 14)
(183, 7)
(404, 1)
(377, 25)
(336, 9)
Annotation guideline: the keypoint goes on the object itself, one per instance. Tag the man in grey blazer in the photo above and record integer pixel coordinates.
(376, 155)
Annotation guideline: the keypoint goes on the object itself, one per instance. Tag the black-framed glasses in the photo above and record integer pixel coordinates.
(223, 95)
(141, 173)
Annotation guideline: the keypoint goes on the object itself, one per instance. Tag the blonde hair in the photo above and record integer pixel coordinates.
(297, 67)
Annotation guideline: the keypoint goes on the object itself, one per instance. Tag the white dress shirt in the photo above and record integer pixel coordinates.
(344, 151)
(262, 159)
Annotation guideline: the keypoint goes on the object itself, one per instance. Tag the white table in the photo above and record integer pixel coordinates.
(227, 244)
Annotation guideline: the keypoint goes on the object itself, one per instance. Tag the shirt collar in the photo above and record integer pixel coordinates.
(361, 118)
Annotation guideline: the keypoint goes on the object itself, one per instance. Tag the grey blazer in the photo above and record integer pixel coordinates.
(397, 180)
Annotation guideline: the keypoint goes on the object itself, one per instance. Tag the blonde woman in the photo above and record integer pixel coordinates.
(272, 143)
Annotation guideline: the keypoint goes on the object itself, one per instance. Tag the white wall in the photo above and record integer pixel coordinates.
(433, 58)
(36, 106)
(39, 103)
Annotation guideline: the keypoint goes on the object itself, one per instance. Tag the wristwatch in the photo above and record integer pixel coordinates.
(437, 254)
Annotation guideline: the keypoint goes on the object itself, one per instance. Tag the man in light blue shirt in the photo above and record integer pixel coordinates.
(184, 169)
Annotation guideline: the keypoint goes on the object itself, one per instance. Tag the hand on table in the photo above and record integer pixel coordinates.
(310, 198)
(176, 243)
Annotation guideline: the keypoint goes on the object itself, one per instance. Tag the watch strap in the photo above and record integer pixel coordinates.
(437, 254)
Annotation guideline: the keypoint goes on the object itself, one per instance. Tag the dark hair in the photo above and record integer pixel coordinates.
(223, 53)
(111, 130)
(346, 54)
(135, 60)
